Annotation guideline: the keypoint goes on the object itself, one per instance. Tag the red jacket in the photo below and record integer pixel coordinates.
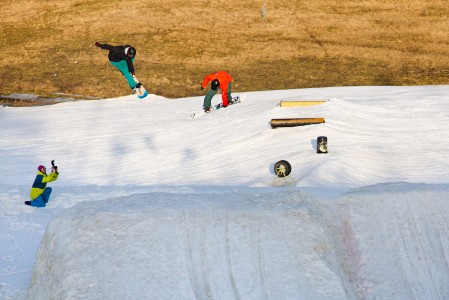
(224, 78)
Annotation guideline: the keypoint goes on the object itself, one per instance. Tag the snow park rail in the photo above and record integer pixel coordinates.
(287, 103)
(275, 123)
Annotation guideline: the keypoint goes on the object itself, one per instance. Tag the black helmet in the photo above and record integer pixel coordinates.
(130, 51)
(215, 84)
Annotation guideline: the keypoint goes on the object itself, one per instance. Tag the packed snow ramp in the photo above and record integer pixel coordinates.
(237, 246)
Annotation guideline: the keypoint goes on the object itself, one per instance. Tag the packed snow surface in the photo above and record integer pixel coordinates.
(152, 204)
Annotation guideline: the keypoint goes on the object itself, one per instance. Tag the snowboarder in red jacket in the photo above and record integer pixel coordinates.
(219, 80)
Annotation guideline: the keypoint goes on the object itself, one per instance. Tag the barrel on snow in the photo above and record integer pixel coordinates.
(321, 144)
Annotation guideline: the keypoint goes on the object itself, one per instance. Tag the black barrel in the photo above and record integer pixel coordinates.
(321, 144)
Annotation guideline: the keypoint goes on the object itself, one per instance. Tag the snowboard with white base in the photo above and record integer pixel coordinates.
(141, 92)
(236, 99)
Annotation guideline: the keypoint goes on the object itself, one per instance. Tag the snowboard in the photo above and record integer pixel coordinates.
(235, 99)
(141, 92)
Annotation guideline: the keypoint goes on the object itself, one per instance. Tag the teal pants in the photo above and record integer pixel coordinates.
(211, 93)
(122, 66)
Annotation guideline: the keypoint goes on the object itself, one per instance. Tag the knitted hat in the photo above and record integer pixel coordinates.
(40, 168)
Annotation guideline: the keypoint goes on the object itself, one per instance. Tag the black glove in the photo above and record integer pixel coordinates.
(202, 88)
(97, 44)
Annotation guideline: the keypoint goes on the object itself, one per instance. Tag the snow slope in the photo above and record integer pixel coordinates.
(152, 204)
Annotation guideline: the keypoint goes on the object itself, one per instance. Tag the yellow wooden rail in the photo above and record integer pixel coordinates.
(286, 103)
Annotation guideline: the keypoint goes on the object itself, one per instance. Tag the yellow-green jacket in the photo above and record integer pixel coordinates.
(40, 183)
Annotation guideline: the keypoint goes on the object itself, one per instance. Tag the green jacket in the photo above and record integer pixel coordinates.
(40, 183)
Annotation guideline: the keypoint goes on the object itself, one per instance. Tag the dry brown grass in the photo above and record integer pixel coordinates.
(48, 45)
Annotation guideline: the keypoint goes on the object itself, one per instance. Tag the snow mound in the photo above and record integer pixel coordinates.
(286, 245)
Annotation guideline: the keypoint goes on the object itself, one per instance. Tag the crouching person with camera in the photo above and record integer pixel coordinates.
(40, 193)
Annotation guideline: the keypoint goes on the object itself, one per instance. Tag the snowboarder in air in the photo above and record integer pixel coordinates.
(122, 57)
(219, 80)
(40, 193)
